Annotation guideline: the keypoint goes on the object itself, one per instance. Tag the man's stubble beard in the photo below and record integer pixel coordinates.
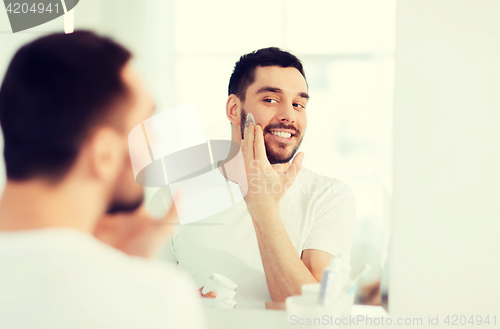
(121, 206)
(121, 202)
(271, 155)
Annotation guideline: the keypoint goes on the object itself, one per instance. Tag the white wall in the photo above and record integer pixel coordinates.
(445, 248)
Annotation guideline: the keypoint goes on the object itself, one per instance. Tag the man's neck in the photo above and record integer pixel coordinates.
(37, 204)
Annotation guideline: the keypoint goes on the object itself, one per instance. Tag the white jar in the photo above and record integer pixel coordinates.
(223, 287)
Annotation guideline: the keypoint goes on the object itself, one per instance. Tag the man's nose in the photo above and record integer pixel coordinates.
(287, 114)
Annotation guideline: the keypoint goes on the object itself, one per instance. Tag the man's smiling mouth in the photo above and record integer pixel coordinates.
(282, 136)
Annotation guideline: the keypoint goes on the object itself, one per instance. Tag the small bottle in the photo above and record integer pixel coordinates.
(335, 276)
(330, 274)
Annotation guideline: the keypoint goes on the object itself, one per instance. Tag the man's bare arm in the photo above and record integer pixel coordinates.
(285, 271)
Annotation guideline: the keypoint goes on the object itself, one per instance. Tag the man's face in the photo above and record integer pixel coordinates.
(128, 195)
(277, 99)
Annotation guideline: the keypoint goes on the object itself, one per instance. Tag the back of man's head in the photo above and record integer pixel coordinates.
(244, 70)
(56, 90)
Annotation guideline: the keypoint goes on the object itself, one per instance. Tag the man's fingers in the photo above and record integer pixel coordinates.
(210, 294)
(247, 143)
(295, 167)
(259, 146)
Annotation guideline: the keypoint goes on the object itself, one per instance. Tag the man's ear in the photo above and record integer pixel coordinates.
(106, 149)
(233, 109)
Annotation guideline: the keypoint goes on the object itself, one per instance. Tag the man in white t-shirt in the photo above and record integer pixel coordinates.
(289, 224)
(67, 103)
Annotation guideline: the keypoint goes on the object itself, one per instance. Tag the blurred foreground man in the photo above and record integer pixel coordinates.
(67, 104)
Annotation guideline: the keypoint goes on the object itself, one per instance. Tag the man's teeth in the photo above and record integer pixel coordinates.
(281, 134)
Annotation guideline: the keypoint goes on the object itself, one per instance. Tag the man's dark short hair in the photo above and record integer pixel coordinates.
(56, 90)
(244, 70)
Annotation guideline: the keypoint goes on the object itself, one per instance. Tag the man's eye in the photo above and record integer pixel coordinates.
(270, 101)
(299, 105)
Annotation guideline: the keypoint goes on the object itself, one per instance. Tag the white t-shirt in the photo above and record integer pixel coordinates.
(62, 278)
(317, 212)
